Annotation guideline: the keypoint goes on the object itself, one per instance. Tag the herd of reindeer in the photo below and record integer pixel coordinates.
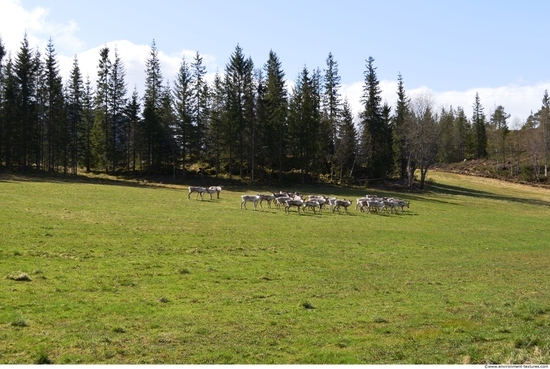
(288, 200)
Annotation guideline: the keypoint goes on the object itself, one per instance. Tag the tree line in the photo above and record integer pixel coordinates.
(246, 123)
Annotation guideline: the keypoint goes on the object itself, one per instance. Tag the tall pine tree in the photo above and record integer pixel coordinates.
(199, 106)
(25, 70)
(87, 123)
(399, 132)
(346, 144)
(480, 131)
(100, 131)
(57, 133)
(154, 133)
(134, 133)
(304, 125)
(239, 89)
(276, 105)
(75, 110)
(183, 108)
(116, 104)
(331, 108)
(376, 134)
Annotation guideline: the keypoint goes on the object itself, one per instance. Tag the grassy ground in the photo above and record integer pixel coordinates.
(117, 272)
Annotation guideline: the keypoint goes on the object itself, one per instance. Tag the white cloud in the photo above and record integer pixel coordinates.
(518, 101)
(134, 58)
(15, 21)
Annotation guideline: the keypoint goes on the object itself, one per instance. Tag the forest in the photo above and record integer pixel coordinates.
(247, 124)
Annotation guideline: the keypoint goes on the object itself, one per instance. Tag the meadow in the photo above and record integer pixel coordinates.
(105, 271)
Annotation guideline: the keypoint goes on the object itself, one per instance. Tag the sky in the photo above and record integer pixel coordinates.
(449, 50)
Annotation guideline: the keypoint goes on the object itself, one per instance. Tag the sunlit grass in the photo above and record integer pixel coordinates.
(122, 272)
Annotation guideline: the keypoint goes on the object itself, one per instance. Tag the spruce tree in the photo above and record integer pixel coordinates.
(154, 135)
(134, 144)
(303, 124)
(75, 109)
(276, 105)
(116, 104)
(100, 131)
(10, 106)
(331, 110)
(199, 106)
(168, 123)
(260, 122)
(2, 80)
(544, 123)
(57, 133)
(346, 144)
(376, 134)
(499, 127)
(40, 136)
(25, 71)
(447, 152)
(215, 132)
(86, 126)
(183, 108)
(239, 89)
(480, 131)
(399, 132)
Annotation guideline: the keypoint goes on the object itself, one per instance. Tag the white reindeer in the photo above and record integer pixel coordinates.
(291, 203)
(249, 198)
(199, 190)
(312, 204)
(342, 203)
(268, 198)
(214, 190)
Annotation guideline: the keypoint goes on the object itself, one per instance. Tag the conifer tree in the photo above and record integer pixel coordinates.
(154, 134)
(480, 131)
(41, 116)
(331, 109)
(134, 132)
(499, 130)
(276, 106)
(57, 134)
(238, 88)
(168, 122)
(2, 79)
(26, 118)
(9, 113)
(376, 134)
(259, 149)
(86, 126)
(100, 131)
(75, 109)
(183, 109)
(346, 144)
(544, 124)
(116, 104)
(215, 132)
(464, 136)
(399, 132)
(447, 152)
(199, 106)
(303, 124)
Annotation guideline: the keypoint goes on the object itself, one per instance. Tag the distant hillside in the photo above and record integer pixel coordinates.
(522, 173)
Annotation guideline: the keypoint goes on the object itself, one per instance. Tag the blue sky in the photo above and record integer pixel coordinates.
(450, 49)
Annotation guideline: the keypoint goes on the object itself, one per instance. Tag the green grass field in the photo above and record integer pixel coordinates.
(105, 271)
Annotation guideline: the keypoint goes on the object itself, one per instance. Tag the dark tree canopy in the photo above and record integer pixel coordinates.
(242, 122)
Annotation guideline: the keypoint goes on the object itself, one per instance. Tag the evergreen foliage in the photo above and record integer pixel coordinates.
(244, 122)
(376, 133)
(478, 123)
